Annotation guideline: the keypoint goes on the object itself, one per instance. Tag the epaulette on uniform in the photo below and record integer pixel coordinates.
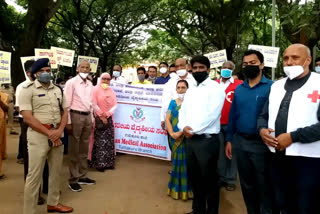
(28, 84)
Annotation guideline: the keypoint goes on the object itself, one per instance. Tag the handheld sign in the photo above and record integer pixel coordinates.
(270, 54)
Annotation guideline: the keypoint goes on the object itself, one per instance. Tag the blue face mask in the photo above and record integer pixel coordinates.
(226, 73)
(44, 77)
(317, 68)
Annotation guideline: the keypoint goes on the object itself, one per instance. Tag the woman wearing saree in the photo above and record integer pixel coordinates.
(4, 105)
(178, 187)
(104, 105)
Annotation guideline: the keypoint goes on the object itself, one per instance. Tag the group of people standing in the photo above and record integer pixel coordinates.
(78, 108)
(266, 132)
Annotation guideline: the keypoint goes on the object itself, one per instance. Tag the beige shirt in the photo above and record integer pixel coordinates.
(43, 102)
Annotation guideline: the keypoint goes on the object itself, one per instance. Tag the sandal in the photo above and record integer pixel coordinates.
(230, 187)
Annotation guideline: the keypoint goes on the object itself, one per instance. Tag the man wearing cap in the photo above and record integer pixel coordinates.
(43, 108)
(78, 93)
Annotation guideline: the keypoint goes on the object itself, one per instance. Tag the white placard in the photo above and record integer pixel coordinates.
(5, 67)
(64, 56)
(217, 58)
(270, 54)
(47, 53)
(93, 61)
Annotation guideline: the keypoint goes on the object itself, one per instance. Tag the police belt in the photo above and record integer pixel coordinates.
(80, 112)
(249, 136)
(51, 126)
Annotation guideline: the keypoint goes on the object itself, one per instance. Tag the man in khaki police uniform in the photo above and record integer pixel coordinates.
(43, 108)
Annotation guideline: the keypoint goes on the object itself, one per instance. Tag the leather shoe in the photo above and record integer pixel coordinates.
(59, 209)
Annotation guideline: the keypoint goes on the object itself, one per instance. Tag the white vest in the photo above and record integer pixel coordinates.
(302, 112)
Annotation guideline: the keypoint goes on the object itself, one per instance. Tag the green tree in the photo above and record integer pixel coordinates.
(300, 22)
(105, 28)
(34, 23)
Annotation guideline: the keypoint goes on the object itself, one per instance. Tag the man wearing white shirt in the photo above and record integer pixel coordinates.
(199, 119)
(170, 92)
(289, 125)
(23, 126)
(116, 75)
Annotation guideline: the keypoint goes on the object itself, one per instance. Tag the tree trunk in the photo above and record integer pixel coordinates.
(38, 15)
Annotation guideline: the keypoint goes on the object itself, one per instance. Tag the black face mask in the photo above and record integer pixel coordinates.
(251, 71)
(200, 76)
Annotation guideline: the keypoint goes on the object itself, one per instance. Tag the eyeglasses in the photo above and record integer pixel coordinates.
(104, 78)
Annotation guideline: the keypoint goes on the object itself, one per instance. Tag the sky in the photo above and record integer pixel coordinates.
(17, 7)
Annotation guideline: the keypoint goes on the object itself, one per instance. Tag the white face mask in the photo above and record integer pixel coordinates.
(181, 96)
(293, 71)
(84, 75)
(173, 75)
(116, 74)
(181, 72)
(163, 70)
(317, 68)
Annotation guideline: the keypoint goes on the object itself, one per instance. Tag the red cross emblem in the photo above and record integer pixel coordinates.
(229, 96)
(314, 96)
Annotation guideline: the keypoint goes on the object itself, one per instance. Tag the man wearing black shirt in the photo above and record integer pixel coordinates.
(289, 126)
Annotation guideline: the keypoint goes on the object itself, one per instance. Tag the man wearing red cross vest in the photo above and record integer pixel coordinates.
(289, 125)
(227, 169)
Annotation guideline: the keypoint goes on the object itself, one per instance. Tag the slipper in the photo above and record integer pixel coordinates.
(230, 187)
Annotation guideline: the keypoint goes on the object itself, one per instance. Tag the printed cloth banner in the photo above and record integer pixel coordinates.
(64, 56)
(42, 53)
(5, 67)
(93, 61)
(270, 54)
(137, 121)
(217, 58)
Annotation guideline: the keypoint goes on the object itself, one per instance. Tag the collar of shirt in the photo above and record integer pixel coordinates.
(80, 80)
(205, 82)
(38, 84)
(231, 80)
(263, 80)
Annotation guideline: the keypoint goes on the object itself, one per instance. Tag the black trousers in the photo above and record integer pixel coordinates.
(202, 157)
(296, 184)
(254, 180)
(23, 139)
(20, 147)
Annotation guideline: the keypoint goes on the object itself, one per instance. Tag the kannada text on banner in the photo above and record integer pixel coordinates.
(47, 53)
(137, 121)
(64, 56)
(5, 62)
(217, 58)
